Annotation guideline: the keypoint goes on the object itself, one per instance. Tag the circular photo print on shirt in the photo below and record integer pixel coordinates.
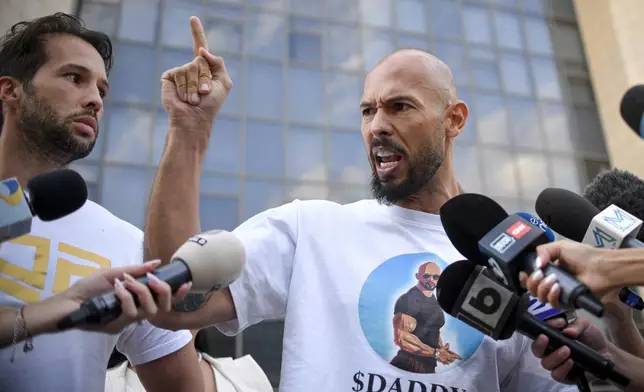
(404, 324)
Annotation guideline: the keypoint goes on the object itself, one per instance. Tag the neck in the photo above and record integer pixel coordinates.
(427, 293)
(16, 159)
(442, 188)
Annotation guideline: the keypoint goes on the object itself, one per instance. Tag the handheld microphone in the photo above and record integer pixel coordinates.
(484, 233)
(472, 294)
(49, 196)
(211, 260)
(632, 107)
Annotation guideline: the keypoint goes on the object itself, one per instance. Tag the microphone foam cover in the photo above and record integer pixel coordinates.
(452, 281)
(565, 212)
(215, 258)
(56, 194)
(632, 107)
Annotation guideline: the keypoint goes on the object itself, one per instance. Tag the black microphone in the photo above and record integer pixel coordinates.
(211, 261)
(472, 294)
(484, 233)
(632, 107)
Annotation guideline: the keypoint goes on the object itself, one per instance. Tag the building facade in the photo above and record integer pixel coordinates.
(291, 126)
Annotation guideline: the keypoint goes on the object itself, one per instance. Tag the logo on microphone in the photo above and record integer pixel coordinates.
(603, 239)
(518, 230)
(198, 240)
(10, 192)
(622, 221)
(502, 243)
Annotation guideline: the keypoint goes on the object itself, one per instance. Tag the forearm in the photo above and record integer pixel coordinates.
(630, 366)
(39, 317)
(173, 210)
(412, 344)
(623, 267)
(625, 335)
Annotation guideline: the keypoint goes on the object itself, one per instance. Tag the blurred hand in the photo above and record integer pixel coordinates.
(558, 362)
(121, 280)
(583, 261)
(193, 93)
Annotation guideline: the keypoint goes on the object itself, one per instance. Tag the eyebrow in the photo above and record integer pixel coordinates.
(83, 69)
(394, 98)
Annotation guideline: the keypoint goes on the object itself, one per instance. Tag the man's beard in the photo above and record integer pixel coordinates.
(421, 173)
(47, 135)
(428, 285)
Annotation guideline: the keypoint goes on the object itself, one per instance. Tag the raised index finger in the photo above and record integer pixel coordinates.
(198, 35)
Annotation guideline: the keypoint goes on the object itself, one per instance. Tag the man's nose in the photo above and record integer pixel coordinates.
(380, 125)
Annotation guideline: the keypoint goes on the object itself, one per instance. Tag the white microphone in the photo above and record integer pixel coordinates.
(613, 228)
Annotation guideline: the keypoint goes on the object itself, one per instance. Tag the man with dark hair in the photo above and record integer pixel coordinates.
(53, 77)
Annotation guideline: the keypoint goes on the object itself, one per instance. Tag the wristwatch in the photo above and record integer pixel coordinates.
(436, 352)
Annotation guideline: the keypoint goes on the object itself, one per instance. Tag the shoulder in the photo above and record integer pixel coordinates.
(102, 218)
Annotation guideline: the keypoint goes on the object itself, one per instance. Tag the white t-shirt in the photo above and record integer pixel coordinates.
(48, 261)
(338, 274)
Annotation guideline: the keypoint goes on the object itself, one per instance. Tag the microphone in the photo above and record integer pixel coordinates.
(472, 294)
(484, 233)
(539, 223)
(632, 107)
(211, 260)
(48, 196)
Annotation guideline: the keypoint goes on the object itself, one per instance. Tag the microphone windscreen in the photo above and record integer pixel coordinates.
(56, 194)
(632, 107)
(215, 258)
(466, 219)
(565, 212)
(618, 187)
(452, 281)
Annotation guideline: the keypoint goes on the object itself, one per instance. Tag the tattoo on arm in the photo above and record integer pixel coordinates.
(192, 302)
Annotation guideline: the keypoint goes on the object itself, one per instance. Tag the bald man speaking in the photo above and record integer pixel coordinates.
(337, 272)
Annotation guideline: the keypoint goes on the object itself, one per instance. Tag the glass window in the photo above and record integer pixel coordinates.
(348, 158)
(232, 104)
(305, 95)
(343, 97)
(445, 19)
(344, 194)
(97, 151)
(260, 196)
(546, 79)
(467, 166)
(376, 12)
(307, 192)
(133, 78)
(264, 343)
(92, 193)
(538, 36)
(469, 130)
(555, 125)
(305, 154)
(265, 80)
(220, 184)
(593, 167)
(223, 36)
(410, 15)
(477, 25)
(100, 17)
(508, 30)
(139, 20)
(375, 46)
(500, 173)
(454, 56)
(413, 42)
(590, 138)
(266, 35)
(308, 25)
(491, 120)
(515, 74)
(307, 7)
(124, 193)
(533, 174)
(563, 9)
(226, 11)
(161, 125)
(128, 135)
(479, 53)
(218, 213)
(87, 171)
(223, 149)
(268, 4)
(509, 205)
(169, 60)
(507, 3)
(346, 10)
(485, 74)
(305, 47)
(524, 123)
(343, 45)
(567, 42)
(536, 6)
(567, 174)
(175, 29)
(581, 91)
(264, 149)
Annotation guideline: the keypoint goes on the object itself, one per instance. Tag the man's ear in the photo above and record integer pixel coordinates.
(10, 91)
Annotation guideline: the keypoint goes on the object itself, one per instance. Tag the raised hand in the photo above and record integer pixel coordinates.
(193, 93)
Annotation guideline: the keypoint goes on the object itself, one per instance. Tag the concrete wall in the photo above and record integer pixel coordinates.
(13, 11)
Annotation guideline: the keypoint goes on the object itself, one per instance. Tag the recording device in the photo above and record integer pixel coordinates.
(484, 233)
(632, 108)
(472, 294)
(539, 223)
(211, 260)
(49, 196)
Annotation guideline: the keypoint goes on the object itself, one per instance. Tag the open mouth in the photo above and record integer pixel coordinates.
(386, 160)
